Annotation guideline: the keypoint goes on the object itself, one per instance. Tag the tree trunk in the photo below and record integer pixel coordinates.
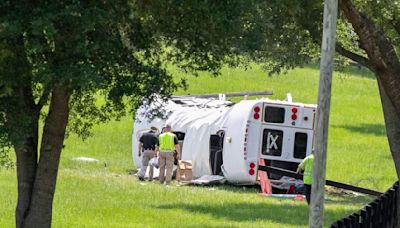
(392, 123)
(41, 201)
(26, 169)
(24, 138)
(381, 53)
(385, 63)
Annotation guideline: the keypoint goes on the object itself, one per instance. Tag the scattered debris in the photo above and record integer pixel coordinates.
(156, 172)
(85, 159)
(340, 192)
(207, 180)
(286, 196)
(285, 182)
(184, 170)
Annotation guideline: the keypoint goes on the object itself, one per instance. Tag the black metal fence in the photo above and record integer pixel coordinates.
(381, 213)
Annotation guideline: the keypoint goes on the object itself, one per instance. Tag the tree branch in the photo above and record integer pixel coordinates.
(372, 37)
(43, 99)
(396, 25)
(353, 56)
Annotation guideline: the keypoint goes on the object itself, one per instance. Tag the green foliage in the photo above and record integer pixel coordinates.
(238, 32)
(108, 50)
(385, 14)
(5, 159)
(118, 51)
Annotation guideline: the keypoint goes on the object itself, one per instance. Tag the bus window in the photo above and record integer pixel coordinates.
(272, 142)
(274, 114)
(179, 135)
(216, 147)
(300, 145)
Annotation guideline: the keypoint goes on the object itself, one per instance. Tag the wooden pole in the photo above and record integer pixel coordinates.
(316, 217)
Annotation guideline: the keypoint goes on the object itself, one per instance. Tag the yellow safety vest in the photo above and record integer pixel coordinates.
(307, 165)
(166, 141)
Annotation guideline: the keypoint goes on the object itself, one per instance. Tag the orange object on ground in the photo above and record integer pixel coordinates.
(265, 183)
(299, 198)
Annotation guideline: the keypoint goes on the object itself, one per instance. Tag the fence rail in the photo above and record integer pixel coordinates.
(382, 212)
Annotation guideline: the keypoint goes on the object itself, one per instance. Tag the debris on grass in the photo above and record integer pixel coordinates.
(85, 159)
(296, 197)
(340, 192)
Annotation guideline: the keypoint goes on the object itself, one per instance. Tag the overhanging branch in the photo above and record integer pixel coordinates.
(372, 37)
(353, 56)
(43, 99)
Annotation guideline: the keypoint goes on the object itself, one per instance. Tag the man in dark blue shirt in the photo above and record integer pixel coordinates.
(147, 145)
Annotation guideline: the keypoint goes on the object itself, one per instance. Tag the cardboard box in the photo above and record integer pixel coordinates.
(184, 171)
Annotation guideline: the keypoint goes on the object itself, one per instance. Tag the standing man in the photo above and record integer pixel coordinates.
(307, 166)
(147, 145)
(167, 144)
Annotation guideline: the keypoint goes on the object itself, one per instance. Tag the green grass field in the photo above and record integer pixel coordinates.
(103, 194)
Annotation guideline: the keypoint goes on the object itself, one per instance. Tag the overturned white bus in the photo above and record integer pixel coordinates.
(221, 137)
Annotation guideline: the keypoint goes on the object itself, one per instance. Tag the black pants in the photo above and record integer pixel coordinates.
(307, 193)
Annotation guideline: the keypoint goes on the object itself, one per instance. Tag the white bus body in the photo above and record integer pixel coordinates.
(225, 138)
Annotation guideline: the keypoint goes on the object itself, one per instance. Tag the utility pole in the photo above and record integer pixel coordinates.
(316, 217)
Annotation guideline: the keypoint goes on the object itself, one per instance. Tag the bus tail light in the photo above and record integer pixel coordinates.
(252, 172)
(252, 165)
(256, 114)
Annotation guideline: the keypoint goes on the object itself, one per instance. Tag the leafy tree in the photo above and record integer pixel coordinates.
(368, 33)
(57, 58)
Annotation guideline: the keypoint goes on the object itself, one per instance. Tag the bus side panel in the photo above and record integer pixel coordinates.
(236, 153)
(253, 146)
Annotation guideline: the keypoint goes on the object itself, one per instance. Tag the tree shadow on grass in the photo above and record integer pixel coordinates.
(350, 70)
(236, 188)
(355, 71)
(243, 212)
(374, 129)
(348, 200)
